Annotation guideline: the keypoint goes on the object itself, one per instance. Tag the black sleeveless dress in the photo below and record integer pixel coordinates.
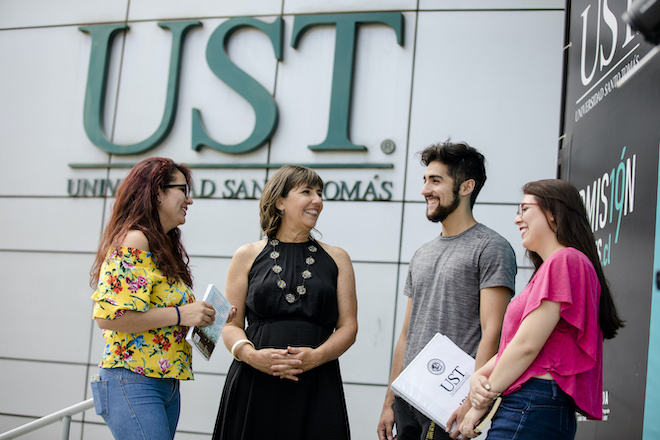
(257, 406)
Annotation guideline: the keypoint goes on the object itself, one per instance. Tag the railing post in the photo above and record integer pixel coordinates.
(66, 424)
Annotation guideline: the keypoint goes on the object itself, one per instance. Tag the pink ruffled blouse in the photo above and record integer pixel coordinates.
(573, 354)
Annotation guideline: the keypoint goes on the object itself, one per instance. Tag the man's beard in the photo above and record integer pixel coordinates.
(442, 212)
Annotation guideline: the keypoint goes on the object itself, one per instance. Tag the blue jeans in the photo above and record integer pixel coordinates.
(538, 410)
(136, 407)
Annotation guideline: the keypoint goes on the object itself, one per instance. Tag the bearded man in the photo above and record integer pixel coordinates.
(458, 284)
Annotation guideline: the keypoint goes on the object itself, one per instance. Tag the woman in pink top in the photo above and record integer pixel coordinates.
(550, 360)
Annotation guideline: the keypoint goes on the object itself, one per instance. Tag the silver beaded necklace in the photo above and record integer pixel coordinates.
(291, 297)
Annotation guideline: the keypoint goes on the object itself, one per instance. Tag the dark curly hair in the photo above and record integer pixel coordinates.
(463, 161)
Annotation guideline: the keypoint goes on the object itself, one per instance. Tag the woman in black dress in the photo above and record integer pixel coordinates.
(298, 296)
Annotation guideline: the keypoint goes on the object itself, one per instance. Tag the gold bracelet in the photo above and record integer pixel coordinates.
(236, 344)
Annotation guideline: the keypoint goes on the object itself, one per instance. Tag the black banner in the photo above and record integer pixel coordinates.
(609, 150)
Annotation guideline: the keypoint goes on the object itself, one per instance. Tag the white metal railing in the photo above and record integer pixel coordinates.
(63, 414)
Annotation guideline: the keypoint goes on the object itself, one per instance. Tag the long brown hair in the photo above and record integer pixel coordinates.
(563, 201)
(136, 208)
(287, 178)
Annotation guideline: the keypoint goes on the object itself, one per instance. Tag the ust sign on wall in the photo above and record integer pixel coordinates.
(610, 152)
(259, 98)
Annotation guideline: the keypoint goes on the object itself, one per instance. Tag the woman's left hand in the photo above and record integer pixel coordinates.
(470, 421)
(480, 395)
(304, 358)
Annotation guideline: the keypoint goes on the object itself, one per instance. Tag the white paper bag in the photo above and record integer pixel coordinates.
(437, 381)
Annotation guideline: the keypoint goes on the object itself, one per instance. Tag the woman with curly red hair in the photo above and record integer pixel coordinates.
(144, 303)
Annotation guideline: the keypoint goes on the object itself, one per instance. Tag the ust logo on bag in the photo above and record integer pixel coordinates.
(436, 366)
(455, 380)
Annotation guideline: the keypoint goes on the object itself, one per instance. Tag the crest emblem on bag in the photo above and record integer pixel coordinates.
(436, 366)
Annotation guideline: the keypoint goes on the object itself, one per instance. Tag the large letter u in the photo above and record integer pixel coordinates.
(97, 76)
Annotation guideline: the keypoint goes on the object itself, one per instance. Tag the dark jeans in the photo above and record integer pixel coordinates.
(538, 410)
(413, 425)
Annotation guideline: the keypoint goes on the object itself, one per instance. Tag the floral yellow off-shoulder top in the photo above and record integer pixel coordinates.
(130, 280)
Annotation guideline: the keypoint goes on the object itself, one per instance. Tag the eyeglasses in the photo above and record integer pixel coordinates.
(522, 205)
(184, 187)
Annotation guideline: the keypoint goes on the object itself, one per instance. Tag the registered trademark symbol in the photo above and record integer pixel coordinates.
(387, 146)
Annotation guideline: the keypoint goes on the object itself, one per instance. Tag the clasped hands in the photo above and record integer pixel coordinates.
(480, 398)
(286, 363)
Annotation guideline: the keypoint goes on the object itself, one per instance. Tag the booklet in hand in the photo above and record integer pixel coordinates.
(204, 339)
(483, 422)
(437, 381)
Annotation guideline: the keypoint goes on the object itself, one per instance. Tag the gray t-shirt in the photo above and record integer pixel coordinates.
(445, 277)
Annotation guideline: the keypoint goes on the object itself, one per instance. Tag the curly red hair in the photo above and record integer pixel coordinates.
(136, 208)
